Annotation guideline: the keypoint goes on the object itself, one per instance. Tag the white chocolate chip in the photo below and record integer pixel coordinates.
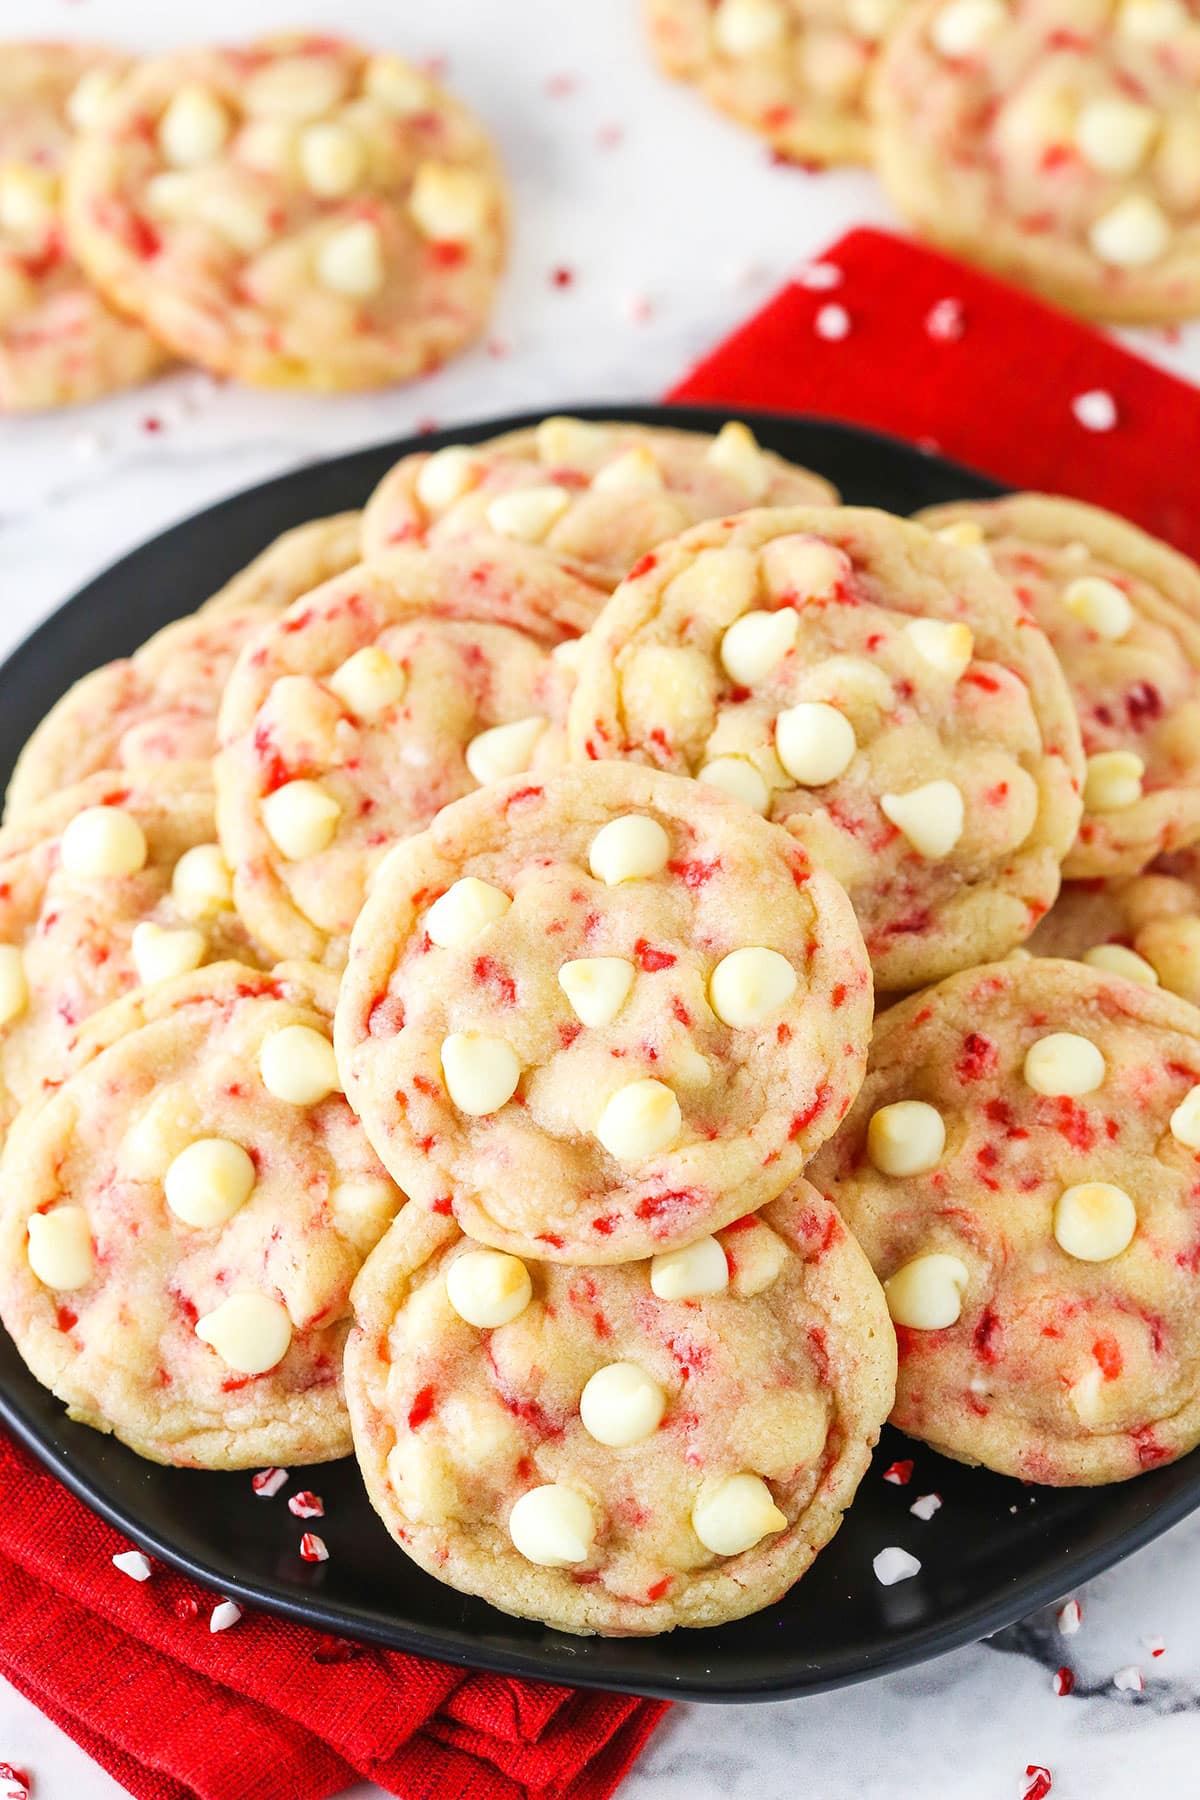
(268, 146)
(528, 513)
(449, 204)
(14, 987)
(927, 1293)
(333, 161)
(552, 1526)
(690, 1272)
(194, 128)
(363, 1207)
(350, 260)
(751, 985)
(60, 1248)
(297, 1065)
(967, 534)
(597, 987)
(301, 819)
(208, 1182)
(636, 471)
(249, 1332)
(103, 840)
(621, 1405)
(293, 87)
(202, 882)
(735, 452)
(850, 683)
(737, 776)
(1094, 1221)
(1113, 134)
(871, 19)
(732, 1513)
(488, 1288)
(28, 200)
(1153, 21)
(930, 817)
(396, 84)
(639, 1120)
(756, 643)
(504, 749)
(1132, 233)
(446, 476)
(1115, 959)
(945, 647)
(1185, 1120)
(481, 1072)
(815, 742)
(796, 568)
(1064, 1063)
(160, 955)
(628, 849)
(571, 442)
(91, 96)
(746, 27)
(1113, 780)
(464, 910)
(963, 27)
(1100, 604)
(906, 1138)
(369, 682)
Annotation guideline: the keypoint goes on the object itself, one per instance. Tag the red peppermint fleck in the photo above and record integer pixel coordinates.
(1107, 1353)
(313, 1548)
(979, 1057)
(1064, 1681)
(306, 1505)
(659, 1588)
(898, 1473)
(421, 1409)
(1039, 1782)
(490, 973)
(562, 277)
(268, 1482)
(816, 1106)
(14, 1783)
(650, 960)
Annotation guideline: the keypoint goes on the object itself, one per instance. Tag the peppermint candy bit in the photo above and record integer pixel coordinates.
(268, 1482)
(224, 1614)
(925, 1505)
(1155, 1645)
(307, 1506)
(898, 1473)
(186, 1608)
(946, 321)
(893, 1565)
(313, 1548)
(1039, 1782)
(1096, 410)
(1129, 1680)
(1070, 1617)
(1064, 1682)
(14, 1783)
(133, 1564)
(832, 324)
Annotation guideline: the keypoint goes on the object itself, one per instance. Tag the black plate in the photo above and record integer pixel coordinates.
(995, 1551)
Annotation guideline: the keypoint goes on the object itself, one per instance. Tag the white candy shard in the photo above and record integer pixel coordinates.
(301, 819)
(528, 513)
(267, 1482)
(945, 647)
(894, 1564)
(597, 987)
(639, 1120)
(133, 1564)
(628, 849)
(621, 1405)
(504, 749)
(1132, 233)
(481, 1073)
(756, 643)
(369, 682)
(467, 908)
(250, 1332)
(103, 841)
(350, 260)
(208, 1182)
(751, 985)
(552, 1526)
(202, 882)
(1064, 1063)
(1129, 1680)
(906, 1138)
(926, 1294)
(488, 1288)
(1113, 780)
(14, 987)
(689, 1273)
(815, 742)
(1094, 1221)
(160, 955)
(298, 1066)
(224, 1614)
(1100, 605)
(732, 1513)
(60, 1248)
(930, 817)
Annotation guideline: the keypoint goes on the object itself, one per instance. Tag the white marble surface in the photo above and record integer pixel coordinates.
(672, 233)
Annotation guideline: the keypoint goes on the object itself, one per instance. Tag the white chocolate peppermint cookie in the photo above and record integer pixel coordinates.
(1021, 1169)
(597, 1014)
(872, 689)
(620, 1449)
(596, 496)
(297, 212)
(112, 884)
(296, 562)
(181, 1222)
(1145, 927)
(60, 342)
(1123, 614)
(372, 702)
(796, 71)
(1057, 144)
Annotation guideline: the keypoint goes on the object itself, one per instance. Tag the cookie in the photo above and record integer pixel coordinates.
(181, 1222)
(872, 689)
(297, 212)
(297, 561)
(795, 71)
(1105, 595)
(1057, 145)
(598, 1013)
(112, 883)
(1145, 927)
(60, 343)
(1021, 1169)
(596, 496)
(369, 704)
(620, 1449)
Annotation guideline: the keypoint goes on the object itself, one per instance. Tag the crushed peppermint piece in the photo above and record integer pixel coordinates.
(268, 1482)
(1070, 1617)
(14, 1783)
(1038, 1782)
(925, 1505)
(331, 1649)
(133, 1564)
(307, 1506)
(1129, 1679)
(1155, 1645)
(224, 1614)
(1064, 1681)
(832, 324)
(313, 1548)
(562, 277)
(893, 1565)
(186, 1608)
(898, 1473)
(1096, 410)
(820, 277)
(946, 321)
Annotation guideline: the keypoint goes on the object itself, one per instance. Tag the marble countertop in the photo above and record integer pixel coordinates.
(672, 226)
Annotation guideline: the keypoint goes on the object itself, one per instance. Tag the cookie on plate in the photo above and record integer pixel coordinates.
(1145, 927)
(598, 1013)
(871, 688)
(1059, 145)
(182, 1220)
(1123, 614)
(297, 561)
(596, 496)
(296, 212)
(796, 71)
(369, 704)
(110, 884)
(620, 1449)
(60, 342)
(1021, 1169)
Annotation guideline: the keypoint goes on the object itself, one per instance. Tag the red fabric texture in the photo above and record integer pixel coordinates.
(999, 396)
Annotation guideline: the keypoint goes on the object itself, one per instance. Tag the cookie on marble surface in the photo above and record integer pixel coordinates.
(1123, 614)
(60, 342)
(113, 883)
(598, 1013)
(597, 496)
(871, 688)
(1021, 1169)
(297, 561)
(1057, 145)
(795, 71)
(182, 1220)
(1145, 927)
(296, 212)
(370, 703)
(620, 1449)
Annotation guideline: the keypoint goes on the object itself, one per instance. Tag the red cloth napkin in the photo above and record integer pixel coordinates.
(955, 360)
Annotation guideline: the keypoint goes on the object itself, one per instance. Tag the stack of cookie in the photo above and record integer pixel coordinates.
(1058, 143)
(437, 1014)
